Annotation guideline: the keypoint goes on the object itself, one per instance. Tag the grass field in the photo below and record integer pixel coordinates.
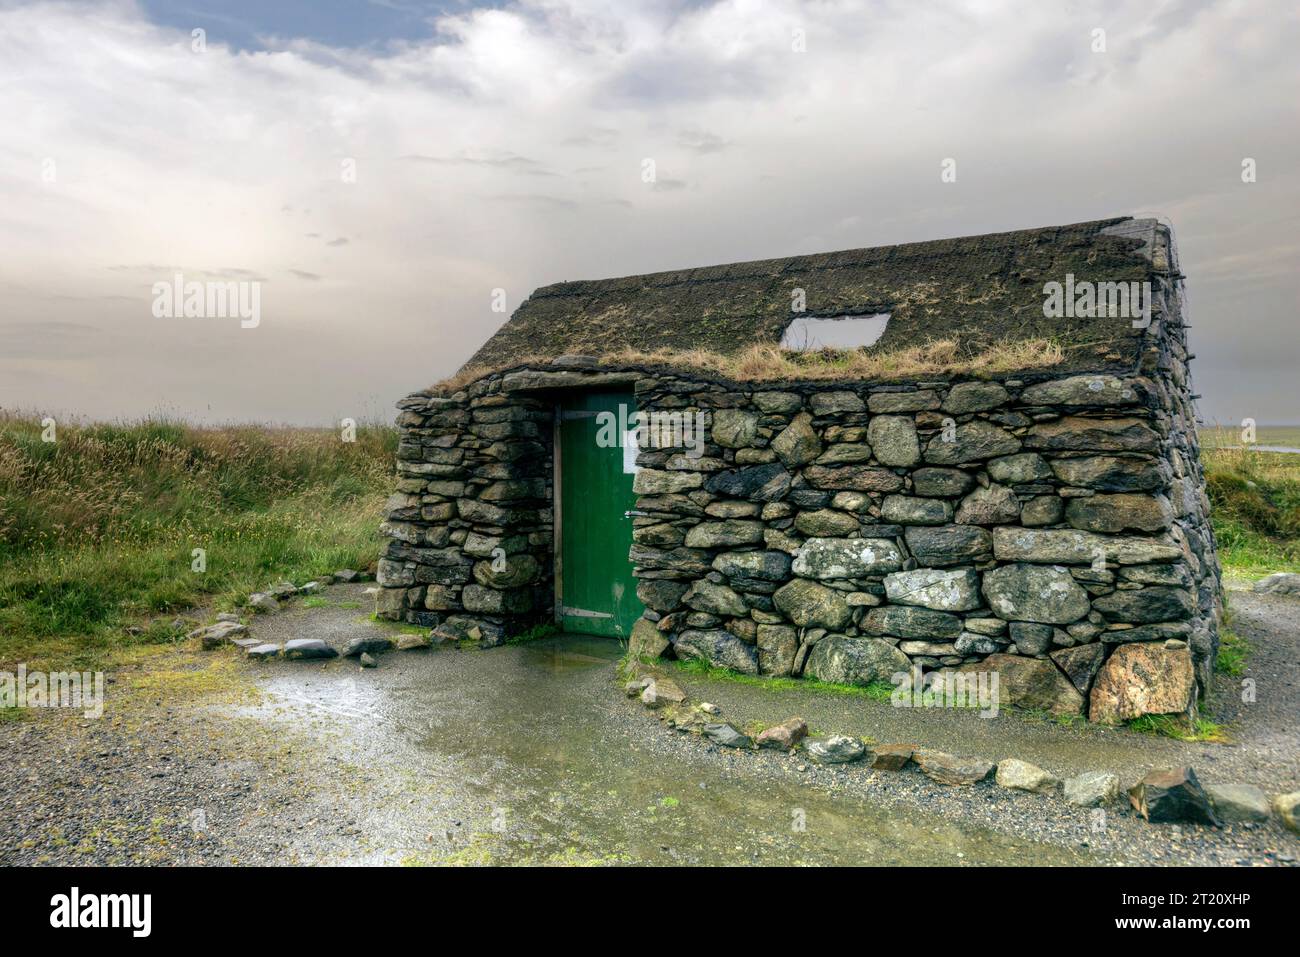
(1255, 499)
(98, 528)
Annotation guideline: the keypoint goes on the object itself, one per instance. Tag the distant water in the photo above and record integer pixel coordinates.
(1261, 448)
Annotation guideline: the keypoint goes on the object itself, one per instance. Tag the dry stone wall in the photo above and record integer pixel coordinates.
(470, 521)
(851, 533)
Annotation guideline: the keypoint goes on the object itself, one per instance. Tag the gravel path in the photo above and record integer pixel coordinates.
(532, 754)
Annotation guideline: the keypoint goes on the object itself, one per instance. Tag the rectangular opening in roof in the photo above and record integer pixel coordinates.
(834, 332)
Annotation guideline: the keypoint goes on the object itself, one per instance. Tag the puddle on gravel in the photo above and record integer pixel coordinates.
(528, 755)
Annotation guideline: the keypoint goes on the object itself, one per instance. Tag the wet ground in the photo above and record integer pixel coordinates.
(531, 754)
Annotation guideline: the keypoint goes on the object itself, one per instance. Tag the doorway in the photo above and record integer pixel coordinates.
(595, 449)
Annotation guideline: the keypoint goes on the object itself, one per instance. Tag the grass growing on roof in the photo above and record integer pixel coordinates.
(771, 363)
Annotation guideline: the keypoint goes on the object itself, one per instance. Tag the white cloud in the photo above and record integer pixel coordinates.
(507, 151)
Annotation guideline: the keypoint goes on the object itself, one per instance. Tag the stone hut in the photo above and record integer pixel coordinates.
(1006, 480)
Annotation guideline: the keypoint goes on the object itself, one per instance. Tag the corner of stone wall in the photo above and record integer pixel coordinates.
(470, 521)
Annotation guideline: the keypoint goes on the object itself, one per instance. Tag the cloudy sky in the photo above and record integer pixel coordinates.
(378, 169)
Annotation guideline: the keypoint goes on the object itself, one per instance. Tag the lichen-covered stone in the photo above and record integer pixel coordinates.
(514, 572)
(991, 505)
(883, 402)
(956, 590)
(1083, 390)
(825, 522)
(778, 402)
(1030, 638)
(907, 621)
(1020, 468)
(854, 661)
(949, 545)
(654, 482)
(943, 482)
(1120, 512)
(1023, 776)
(828, 403)
(1109, 473)
(1042, 510)
(843, 452)
(777, 645)
(835, 749)
(492, 601)
(971, 643)
(971, 442)
(1279, 583)
(830, 558)
(909, 510)
(1023, 592)
(853, 478)
(808, 604)
(715, 599)
(894, 439)
(1066, 546)
(1287, 807)
(944, 768)
(1073, 433)
(1143, 606)
(646, 641)
(724, 534)
(1238, 803)
(718, 647)
(1092, 788)
(974, 397)
(745, 569)
(797, 444)
(734, 428)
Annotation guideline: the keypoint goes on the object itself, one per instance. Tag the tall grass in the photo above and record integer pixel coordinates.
(1255, 507)
(98, 528)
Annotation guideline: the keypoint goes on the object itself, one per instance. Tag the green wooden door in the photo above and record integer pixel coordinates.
(597, 593)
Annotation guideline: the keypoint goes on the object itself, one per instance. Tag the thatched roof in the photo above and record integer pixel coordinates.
(977, 290)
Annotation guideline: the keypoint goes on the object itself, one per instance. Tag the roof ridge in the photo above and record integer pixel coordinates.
(688, 273)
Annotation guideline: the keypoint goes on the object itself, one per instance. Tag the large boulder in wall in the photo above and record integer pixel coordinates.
(854, 661)
(1032, 683)
(1144, 677)
(1040, 593)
